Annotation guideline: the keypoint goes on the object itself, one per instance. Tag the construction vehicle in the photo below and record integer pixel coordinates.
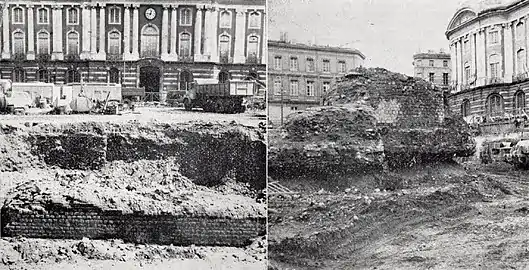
(219, 97)
(90, 97)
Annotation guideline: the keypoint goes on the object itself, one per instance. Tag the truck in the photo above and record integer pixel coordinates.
(12, 101)
(219, 97)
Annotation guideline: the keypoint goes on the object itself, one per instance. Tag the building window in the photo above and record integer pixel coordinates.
(431, 63)
(326, 65)
(114, 43)
(42, 75)
(294, 88)
(185, 44)
(493, 37)
(342, 67)
(72, 43)
(431, 77)
(310, 65)
(310, 88)
(72, 75)
(277, 86)
(277, 62)
(19, 75)
(43, 16)
(326, 87)
(113, 75)
(293, 63)
(185, 17)
(19, 44)
(495, 103)
(445, 78)
(18, 15)
(494, 70)
(521, 62)
(73, 16)
(465, 108)
(114, 15)
(225, 19)
(224, 77)
(255, 20)
(224, 48)
(253, 48)
(149, 41)
(43, 43)
(467, 74)
(445, 63)
(519, 102)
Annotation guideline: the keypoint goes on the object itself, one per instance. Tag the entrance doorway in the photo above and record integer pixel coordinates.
(150, 80)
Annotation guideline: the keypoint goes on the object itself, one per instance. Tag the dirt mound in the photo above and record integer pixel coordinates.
(326, 140)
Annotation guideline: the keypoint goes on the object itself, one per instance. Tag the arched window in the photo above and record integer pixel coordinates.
(255, 20)
(185, 44)
(519, 102)
(72, 75)
(495, 105)
(42, 75)
(114, 15)
(73, 16)
(43, 43)
(18, 15)
(43, 16)
(224, 48)
(19, 44)
(225, 19)
(253, 48)
(149, 41)
(224, 76)
(521, 61)
(113, 75)
(465, 108)
(185, 79)
(19, 75)
(72, 43)
(185, 17)
(114, 42)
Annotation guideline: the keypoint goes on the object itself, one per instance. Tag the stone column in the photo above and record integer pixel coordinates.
(57, 33)
(240, 33)
(173, 54)
(508, 53)
(453, 56)
(213, 44)
(6, 52)
(93, 31)
(135, 31)
(126, 33)
(198, 35)
(208, 33)
(85, 14)
(460, 64)
(473, 62)
(165, 32)
(481, 56)
(101, 54)
(31, 34)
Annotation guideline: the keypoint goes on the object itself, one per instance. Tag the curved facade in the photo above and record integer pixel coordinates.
(488, 45)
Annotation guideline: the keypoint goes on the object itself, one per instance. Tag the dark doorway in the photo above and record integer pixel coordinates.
(186, 78)
(150, 80)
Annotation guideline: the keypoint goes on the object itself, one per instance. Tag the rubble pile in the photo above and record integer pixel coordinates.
(326, 140)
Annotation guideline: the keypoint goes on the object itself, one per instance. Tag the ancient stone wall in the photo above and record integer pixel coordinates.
(88, 221)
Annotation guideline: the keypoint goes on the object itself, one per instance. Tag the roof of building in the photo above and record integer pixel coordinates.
(432, 55)
(479, 6)
(301, 46)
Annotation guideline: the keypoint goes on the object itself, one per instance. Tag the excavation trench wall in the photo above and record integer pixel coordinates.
(88, 221)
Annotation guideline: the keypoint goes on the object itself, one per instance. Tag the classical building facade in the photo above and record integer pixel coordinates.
(159, 45)
(434, 67)
(488, 45)
(299, 75)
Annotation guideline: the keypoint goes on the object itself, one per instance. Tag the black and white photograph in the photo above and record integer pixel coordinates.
(397, 135)
(133, 134)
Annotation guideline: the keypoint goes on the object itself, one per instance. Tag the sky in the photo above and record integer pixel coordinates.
(388, 32)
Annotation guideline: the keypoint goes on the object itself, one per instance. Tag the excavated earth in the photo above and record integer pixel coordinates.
(193, 170)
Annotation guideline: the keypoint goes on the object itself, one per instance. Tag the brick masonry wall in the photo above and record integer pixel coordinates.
(88, 221)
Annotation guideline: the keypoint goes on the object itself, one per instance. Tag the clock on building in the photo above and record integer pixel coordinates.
(150, 13)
